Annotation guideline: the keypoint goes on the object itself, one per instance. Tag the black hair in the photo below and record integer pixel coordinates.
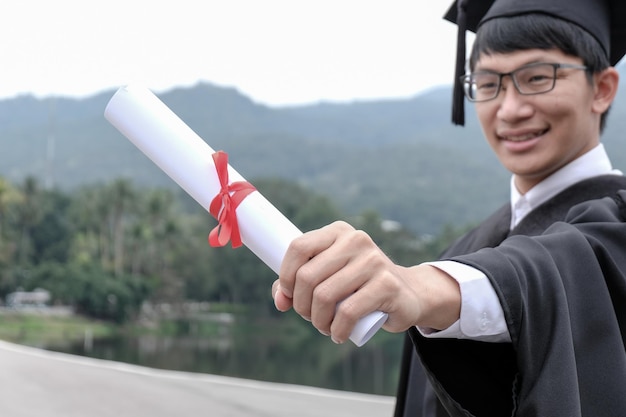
(540, 31)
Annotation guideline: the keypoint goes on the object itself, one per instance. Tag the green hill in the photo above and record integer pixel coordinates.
(402, 158)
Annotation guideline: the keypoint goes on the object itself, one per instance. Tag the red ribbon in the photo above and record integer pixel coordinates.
(224, 205)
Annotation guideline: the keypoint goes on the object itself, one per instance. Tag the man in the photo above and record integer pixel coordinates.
(525, 315)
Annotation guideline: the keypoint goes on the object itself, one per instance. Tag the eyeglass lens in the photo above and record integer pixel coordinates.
(533, 79)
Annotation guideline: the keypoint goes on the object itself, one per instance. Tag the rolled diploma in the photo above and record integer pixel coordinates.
(187, 159)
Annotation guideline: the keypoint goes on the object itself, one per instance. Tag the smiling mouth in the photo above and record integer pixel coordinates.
(523, 138)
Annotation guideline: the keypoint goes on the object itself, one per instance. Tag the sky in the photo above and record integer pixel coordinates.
(277, 52)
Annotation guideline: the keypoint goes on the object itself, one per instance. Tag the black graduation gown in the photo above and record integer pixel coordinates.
(560, 276)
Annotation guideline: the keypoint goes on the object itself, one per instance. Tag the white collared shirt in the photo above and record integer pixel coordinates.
(593, 163)
(482, 317)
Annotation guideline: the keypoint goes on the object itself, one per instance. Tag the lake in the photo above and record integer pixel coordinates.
(282, 349)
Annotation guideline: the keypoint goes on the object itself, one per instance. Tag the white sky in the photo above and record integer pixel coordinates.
(276, 52)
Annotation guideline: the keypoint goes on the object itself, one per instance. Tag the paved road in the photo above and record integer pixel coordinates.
(38, 383)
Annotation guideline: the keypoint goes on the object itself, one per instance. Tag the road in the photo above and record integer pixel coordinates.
(39, 383)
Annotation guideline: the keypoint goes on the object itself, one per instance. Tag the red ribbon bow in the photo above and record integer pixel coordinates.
(224, 205)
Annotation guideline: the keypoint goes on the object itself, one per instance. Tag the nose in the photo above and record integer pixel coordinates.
(513, 105)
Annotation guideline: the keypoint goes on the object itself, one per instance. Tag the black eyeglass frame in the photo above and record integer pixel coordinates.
(466, 79)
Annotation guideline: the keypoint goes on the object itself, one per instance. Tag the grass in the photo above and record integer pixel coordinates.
(41, 330)
(35, 328)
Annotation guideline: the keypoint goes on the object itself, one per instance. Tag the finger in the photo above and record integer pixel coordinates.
(354, 308)
(307, 263)
(305, 247)
(370, 282)
(298, 253)
(326, 296)
(281, 301)
(315, 279)
(333, 275)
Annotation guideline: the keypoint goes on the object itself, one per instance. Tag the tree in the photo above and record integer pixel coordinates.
(155, 238)
(28, 214)
(88, 212)
(122, 196)
(9, 198)
(51, 235)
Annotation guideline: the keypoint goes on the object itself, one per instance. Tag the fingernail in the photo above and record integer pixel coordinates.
(323, 332)
(337, 342)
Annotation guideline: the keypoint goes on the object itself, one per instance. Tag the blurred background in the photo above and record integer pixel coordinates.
(333, 110)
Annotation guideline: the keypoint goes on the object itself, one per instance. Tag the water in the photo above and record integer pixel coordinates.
(285, 349)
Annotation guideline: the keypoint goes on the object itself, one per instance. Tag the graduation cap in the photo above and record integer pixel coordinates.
(603, 19)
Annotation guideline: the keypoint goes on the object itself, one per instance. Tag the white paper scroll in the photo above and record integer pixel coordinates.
(164, 138)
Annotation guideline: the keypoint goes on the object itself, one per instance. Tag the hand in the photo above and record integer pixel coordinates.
(335, 275)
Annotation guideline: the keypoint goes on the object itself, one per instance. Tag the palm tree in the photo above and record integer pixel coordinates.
(9, 197)
(4, 190)
(122, 196)
(27, 216)
(160, 229)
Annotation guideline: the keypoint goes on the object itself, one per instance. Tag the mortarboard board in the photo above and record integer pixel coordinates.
(603, 19)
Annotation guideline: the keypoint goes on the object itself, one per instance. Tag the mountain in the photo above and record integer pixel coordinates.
(402, 158)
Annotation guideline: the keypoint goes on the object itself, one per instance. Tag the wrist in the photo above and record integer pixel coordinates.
(440, 295)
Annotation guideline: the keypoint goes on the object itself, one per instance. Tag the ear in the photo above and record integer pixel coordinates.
(606, 84)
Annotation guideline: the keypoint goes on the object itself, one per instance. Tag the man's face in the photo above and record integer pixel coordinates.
(535, 135)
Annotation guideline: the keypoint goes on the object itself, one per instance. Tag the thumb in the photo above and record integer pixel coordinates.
(281, 301)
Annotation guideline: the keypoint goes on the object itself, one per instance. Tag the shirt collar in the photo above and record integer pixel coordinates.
(593, 163)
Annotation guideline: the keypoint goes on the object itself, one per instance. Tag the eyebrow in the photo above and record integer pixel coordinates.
(536, 61)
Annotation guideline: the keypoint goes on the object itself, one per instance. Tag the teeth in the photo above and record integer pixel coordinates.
(522, 138)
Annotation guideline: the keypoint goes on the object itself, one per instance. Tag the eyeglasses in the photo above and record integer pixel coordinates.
(530, 79)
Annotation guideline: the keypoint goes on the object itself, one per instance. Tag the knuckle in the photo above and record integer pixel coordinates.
(372, 258)
(323, 295)
(347, 309)
(340, 224)
(361, 237)
(297, 247)
(305, 276)
(303, 309)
